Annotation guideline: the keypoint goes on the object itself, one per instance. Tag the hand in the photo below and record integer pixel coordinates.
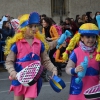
(63, 61)
(79, 69)
(67, 26)
(99, 81)
(13, 75)
(48, 39)
(55, 72)
(70, 27)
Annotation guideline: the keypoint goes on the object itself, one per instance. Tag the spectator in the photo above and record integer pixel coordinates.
(71, 26)
(94, 20)
(51, 34)
(4, 18)
(77, 20)
(49, 30)
(84, 18)
(7, 30)
(72, 20)
(43, 16)
(60, 63)
(77, 17)
(89, 15)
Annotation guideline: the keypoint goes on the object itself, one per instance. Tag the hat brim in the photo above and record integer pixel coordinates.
(89, 32)
(24, 24)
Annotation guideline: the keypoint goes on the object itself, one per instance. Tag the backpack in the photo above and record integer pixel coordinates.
(58, 28)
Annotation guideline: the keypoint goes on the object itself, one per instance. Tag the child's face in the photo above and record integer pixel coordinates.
(33, 28)
(89, 40)
(30, 31)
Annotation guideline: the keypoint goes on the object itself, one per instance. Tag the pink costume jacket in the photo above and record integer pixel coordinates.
(26, 54)
(91, 78)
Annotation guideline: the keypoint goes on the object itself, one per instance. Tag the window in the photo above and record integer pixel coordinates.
(58, 7)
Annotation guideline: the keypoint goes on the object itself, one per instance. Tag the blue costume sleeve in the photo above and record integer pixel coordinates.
(42, 47)
(73, 71)
(73, 57)
(14, 48)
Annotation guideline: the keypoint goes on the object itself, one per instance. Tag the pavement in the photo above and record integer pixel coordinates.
(47, 93)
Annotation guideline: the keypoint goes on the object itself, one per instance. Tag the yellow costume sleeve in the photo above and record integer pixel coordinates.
(57, 57)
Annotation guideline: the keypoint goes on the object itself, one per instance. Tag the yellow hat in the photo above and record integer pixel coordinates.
(89, 29)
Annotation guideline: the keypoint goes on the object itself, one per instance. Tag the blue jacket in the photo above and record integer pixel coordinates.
(7, 33)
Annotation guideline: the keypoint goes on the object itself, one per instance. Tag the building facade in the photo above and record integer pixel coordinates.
(57, 9)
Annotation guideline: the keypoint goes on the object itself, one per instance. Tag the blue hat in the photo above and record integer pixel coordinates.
(34, 18)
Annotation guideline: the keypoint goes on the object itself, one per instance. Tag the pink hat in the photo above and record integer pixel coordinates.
(15, 24)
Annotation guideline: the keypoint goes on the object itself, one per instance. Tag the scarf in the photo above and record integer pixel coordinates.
(87, 49)
(47, 32)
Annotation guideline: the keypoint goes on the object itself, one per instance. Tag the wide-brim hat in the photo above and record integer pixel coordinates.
(89, 29)
(34, 18)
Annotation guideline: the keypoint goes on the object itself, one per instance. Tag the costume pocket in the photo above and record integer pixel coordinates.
(75, 88)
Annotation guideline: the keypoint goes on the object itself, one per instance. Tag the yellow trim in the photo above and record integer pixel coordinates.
(57, 84)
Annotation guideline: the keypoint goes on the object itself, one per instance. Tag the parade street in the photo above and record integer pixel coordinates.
(47, 93)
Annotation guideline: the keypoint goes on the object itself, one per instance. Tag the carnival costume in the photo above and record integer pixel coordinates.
(77, 56)
(20, 54)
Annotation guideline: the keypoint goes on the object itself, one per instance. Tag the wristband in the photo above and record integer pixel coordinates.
(73, 71)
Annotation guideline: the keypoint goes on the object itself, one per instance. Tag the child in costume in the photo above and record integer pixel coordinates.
(21, 50)
(88, 44)
(60, 63)
(62, 43)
